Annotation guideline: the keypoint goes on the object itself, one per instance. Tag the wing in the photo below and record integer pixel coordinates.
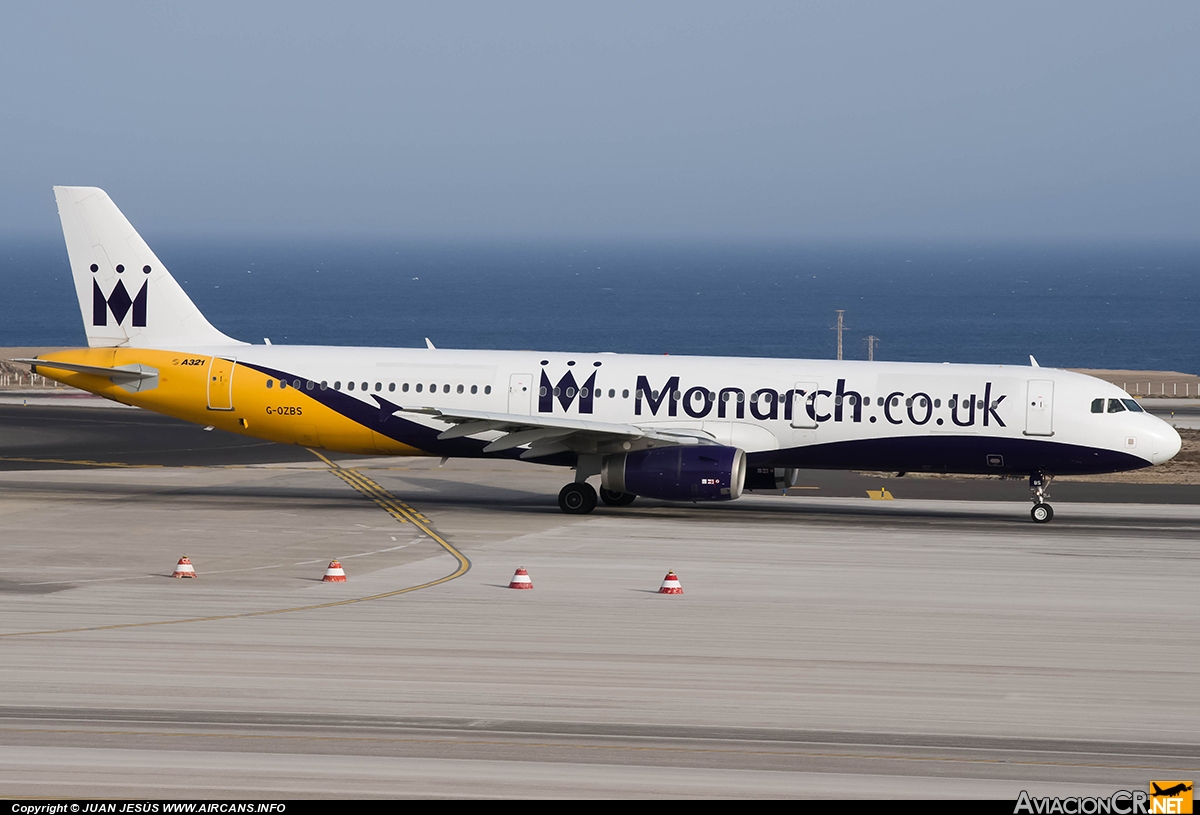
(547, 435)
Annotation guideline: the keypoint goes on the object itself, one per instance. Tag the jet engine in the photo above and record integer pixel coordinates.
(691, 473)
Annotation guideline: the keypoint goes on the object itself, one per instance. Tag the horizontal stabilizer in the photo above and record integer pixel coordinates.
(129, 373)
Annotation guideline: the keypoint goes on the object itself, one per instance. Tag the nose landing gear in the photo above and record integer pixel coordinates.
(1039, 485)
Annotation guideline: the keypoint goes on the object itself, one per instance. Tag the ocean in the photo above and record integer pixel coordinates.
(1070, 305)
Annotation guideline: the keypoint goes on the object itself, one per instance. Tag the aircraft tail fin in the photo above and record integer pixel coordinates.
(126, 295)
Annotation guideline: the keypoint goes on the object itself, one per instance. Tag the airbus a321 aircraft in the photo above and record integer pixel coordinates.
(664, 427)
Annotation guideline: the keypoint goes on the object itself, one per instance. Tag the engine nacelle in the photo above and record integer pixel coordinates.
(691, 473)
(771, 478)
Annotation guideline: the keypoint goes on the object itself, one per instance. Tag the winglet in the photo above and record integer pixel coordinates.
(1033, 362)
(429, 344)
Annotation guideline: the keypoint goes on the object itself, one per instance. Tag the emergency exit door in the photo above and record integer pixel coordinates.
(220, 384)
(1039, 408)
(520, 394)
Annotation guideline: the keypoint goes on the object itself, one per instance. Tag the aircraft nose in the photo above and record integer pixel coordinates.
(1166, 443)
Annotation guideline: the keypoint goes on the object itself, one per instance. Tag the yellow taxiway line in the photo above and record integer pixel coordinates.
(393, 506)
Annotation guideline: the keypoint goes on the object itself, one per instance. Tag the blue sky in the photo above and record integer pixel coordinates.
(697, 120)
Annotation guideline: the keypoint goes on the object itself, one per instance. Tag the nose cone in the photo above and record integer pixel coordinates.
(1166, 443)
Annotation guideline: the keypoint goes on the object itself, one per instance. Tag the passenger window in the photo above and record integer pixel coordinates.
(460, 388)
(349, 386)
(324, 385)
(1115, 406)
(270, 384)
(445, 388)
(1133, 406)
(366, 385)
(391, 387)
(475, 389)
(419, 387)
(487, 388)
(625, 394)
(404, 387)
(378, 387)
(337, 386)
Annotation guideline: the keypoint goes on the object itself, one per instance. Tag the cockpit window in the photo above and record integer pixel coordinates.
(1133, 406)
(1097, 406)
(1115, 406)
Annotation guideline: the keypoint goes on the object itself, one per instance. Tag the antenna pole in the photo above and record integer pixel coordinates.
(871, 342)
(840, 326)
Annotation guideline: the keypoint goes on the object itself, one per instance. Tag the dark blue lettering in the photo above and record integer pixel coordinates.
(888, 405)
(811, 407)
(691, 395)
(772, 411)
(954, 405)
(839, 400)
(739, 399)
(990, 407)
(925, 402)
(644, 390)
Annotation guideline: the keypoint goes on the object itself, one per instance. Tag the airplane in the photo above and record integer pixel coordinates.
(673, 428)
(1170, 792)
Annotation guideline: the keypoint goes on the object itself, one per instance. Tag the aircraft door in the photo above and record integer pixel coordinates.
(520, 394)
(220, 384)
(801, 394)
(1039, 408)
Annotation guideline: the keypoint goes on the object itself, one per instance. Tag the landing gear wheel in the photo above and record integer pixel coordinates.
(616, 499)
(1042, 513)
(577, 499)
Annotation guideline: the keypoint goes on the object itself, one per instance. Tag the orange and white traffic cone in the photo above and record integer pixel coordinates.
(335, 573)
(521, 580)
(670, 585)
(184, 568)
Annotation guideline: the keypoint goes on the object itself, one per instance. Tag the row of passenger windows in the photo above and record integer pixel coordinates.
(1117, 406)
(308, 384)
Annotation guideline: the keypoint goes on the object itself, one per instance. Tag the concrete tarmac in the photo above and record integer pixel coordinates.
(825, 646)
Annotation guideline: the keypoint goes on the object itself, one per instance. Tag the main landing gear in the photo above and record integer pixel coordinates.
(616, 499)
(580, 498)
(577, 499)
(1039, 485)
